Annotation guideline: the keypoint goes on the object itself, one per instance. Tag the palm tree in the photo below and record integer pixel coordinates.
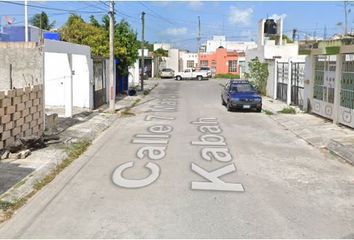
(41, 21)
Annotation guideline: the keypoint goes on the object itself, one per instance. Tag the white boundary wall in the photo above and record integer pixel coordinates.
(65, 62)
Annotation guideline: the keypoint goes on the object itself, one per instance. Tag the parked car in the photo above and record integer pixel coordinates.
(189, 73)
(167, 73)
(207, 70)
(240, 94)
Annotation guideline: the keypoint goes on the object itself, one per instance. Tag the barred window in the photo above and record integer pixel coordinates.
(204, 63)
(190, 64)
(232, 65)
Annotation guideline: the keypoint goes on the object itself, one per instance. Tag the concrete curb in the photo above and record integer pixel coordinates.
(19, 191)
(331, 145)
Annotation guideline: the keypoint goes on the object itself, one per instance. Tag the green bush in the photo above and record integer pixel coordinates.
(227, 75)
(288, 110)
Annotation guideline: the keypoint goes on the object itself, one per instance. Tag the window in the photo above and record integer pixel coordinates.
(204, 63)
(232, 65)
(190, 64)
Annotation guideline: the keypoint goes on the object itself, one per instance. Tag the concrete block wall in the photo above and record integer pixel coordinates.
(21, 114)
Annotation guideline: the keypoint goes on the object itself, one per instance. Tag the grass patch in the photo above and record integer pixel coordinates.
(267, 112)
(227, 75)
(4, 205)
(288, 110)
(73, 151)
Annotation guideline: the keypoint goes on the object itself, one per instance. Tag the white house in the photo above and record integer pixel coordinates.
(188, 60)
(271, 49)
(217, 41)
(68, 75)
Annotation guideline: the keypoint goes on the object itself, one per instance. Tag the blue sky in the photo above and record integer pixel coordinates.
(176, 22)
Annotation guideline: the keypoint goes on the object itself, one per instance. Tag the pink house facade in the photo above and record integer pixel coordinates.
(221, 61)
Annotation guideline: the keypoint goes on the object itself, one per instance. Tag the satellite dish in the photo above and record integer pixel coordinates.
(9, 20)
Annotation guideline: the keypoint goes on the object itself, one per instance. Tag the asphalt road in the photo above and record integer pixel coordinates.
(227, 175)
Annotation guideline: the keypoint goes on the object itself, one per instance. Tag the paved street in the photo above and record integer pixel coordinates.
(213, 174)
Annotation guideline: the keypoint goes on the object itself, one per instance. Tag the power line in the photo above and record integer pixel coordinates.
(49, 8)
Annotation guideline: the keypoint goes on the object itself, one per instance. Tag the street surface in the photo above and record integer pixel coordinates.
(208, 173)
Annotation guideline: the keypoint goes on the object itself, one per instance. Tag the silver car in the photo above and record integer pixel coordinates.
(167, 73)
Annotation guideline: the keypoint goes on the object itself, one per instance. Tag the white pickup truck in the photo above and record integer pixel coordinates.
(190, 74)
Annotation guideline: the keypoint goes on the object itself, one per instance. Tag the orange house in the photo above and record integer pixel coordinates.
(220, 61)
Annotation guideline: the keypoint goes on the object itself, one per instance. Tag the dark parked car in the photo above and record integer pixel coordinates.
(240, 94)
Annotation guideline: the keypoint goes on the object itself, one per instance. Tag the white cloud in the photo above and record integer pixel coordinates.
(176, 31)
(240, 16)
(276, 16)
(195, 5)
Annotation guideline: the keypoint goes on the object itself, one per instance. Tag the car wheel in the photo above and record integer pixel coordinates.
(199, 78)
(228, 106)
(259, 110)
(178, 78)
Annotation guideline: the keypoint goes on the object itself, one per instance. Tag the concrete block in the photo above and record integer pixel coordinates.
(35, 129)
(33, 109)
(19, 92)
(19, 122)
(28, 118)
(33, 95)
(5, 135)
(5, 102)
(2, 111)
(28, 104)
(33, 123)
(8, 126)
(40, 94)
(14, 155)
(17, 100)
(5, 119)
(40, 120)
(27, 89)
(35, 88)
(28, 132)
(9, 110)
(11, 93)
(35, 102)
(25, 112)
(20, 107)
(15, 116)
(2, 95)
(24, 153)
(25, 97)
(25, 127)
(9, 141)
(35, 115)
(16, 131)
(6, 153)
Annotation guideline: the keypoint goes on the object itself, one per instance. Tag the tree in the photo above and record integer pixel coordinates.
(41, 21)
(94, 22)
(76, 30)
(126, 45)
(258, 73)
(96, 35)
(158, 55)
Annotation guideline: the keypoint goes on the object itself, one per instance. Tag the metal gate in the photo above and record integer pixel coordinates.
(99, 87)
(282, 80)
(297, 84)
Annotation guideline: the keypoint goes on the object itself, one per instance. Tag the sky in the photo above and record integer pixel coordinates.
(177, 22)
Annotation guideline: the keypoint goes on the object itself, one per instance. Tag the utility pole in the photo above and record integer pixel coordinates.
(142, 49)
(26, 21)
(345, 17)
(198, 41)
(325, 32)
(112, 91)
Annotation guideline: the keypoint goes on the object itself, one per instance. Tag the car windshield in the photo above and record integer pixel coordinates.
(242, 88)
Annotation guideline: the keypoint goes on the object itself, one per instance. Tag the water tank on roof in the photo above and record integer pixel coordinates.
(270, 27)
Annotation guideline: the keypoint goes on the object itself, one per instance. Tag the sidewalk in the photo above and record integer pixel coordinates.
(315, 130)
(18, 177)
